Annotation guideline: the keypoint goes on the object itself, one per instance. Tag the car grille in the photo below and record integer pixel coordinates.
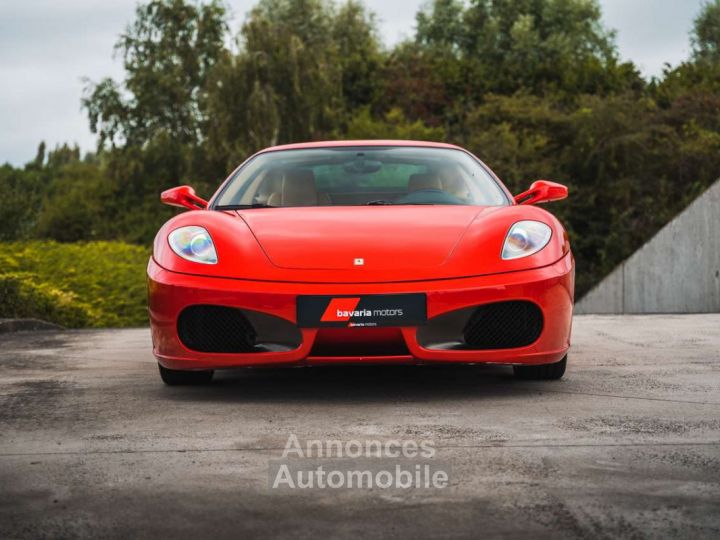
(503, 325)
(217, 329)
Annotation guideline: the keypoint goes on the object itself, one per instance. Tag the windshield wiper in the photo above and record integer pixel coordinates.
(244, 206)
(382, 202)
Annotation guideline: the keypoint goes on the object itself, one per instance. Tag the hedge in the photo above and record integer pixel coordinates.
(93, 284)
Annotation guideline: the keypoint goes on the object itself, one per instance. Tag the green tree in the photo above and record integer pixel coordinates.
(538, 45)
(354, 31)
(75, 206)
(292, 62)
(442, 24)
(302, 68)
(706, 33)
(21, 193)
(151, 125)
(167, 53)
(422, 82)
(393, 125)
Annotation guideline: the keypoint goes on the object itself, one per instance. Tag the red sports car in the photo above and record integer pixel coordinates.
(361, 252)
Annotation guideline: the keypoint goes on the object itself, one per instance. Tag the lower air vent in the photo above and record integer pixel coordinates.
(216, 329)
(503, 325)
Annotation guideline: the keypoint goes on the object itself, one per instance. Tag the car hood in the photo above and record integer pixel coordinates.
(377, 237)
(368, 244)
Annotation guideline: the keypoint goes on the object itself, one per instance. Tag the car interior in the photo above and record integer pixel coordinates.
(358, 176)
(298, 187)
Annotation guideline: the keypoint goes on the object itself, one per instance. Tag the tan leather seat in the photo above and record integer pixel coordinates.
(270, 185)
(423, 181)
(456, 187)
(297, 189)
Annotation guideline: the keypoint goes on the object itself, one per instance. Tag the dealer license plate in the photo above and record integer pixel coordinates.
(362, 310)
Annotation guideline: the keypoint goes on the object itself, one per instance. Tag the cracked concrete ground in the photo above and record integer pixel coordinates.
(627, 445)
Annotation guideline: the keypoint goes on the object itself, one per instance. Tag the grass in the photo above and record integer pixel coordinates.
(93, 284)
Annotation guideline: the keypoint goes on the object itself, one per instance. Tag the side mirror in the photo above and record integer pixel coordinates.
(184, 197)
(542, 191)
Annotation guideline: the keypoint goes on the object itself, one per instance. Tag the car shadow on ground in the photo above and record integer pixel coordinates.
(349, 384)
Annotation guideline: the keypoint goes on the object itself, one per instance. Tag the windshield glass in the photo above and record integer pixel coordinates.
(352, 176)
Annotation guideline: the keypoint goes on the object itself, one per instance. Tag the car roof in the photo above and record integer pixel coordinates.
(374, 142)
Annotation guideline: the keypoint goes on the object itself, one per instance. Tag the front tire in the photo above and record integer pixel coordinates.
(543, 372)
(177, 377)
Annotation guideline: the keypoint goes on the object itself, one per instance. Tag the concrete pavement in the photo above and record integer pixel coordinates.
(627, 445)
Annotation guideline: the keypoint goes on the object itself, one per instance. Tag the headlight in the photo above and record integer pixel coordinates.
(194, 244)
(525, 238)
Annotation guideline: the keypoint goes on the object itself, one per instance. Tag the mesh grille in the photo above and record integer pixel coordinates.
(217, 329)
(503, 325)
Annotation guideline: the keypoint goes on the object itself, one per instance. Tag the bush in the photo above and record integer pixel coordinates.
(94, 284)
(21, 298)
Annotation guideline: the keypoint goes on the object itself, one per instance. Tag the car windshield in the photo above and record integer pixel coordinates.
(363, 175)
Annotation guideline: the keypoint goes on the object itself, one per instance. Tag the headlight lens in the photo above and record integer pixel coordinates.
(525, 238)
(194, 244)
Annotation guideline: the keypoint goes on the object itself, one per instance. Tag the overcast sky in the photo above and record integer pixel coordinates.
(48, 46)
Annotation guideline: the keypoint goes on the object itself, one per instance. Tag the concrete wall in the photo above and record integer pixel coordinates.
(677, 271)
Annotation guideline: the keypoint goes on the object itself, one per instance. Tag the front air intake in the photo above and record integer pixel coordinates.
(503, 325)
(216, 329)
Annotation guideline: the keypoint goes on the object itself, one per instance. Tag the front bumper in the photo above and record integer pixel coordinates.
(550, 288)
